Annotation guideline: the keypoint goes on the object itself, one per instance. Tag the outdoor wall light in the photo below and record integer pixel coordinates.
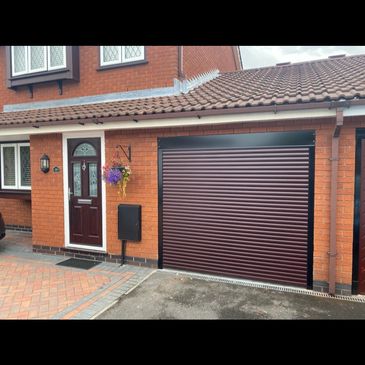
(45, 163)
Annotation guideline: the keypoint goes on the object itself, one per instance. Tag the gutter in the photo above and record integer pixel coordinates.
(332, 253)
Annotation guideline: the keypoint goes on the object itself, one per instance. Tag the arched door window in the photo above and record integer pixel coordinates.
(84, 149)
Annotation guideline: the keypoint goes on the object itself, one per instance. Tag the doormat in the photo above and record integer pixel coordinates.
(79, 264)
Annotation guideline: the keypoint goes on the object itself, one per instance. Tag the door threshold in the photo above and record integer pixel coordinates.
(86, 248)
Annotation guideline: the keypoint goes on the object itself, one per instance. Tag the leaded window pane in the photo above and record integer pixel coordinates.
(85, 149)
(133, 52)
(25, 166)
(37, 59)
(111, 54)
(9, 166)
(19, 62)
(56, 56)
(77, 178)
(93, 180)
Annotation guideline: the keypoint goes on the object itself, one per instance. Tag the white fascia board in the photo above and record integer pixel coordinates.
(354, 111)
(174, 122)
(10, 137)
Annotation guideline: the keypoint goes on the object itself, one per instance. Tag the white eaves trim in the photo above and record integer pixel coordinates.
(10, 137)
(354, 111)
(174, 122)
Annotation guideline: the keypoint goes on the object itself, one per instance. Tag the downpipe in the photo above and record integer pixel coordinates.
(332, 253)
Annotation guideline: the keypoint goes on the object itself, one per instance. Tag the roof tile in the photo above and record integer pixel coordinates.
(314, 81)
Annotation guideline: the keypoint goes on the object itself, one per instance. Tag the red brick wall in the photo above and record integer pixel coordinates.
(143, 187)
(16, 212)
(47, 191)
(160, 71)
(345, 198)
(197, 59)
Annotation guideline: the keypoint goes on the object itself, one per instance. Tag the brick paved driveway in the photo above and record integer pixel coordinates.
(33, 287)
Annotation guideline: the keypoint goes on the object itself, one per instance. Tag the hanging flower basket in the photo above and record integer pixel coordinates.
(117, 175)
(120, 168)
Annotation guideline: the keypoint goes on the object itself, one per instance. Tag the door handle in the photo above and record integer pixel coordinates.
(69, 193)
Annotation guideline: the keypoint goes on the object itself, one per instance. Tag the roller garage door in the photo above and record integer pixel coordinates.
(238, 205)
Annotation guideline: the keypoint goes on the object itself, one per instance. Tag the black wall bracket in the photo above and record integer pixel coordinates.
(127, 153)
(30, 89)
(60, 88)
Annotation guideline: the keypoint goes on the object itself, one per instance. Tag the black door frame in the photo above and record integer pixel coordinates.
(360, 135)
(267, 139)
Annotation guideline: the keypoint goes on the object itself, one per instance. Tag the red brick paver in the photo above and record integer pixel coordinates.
(32, 286)
(31, 289)
(87, 303)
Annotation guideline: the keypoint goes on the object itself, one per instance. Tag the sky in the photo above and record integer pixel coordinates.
(262, 56)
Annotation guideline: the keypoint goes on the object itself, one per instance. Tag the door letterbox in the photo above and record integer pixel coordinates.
(129, 222)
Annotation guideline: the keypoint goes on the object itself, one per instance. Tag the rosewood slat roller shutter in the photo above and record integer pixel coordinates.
(239, 212)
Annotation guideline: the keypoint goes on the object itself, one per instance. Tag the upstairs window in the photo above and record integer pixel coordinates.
(15, 166)
(32, 59)
(114, 55)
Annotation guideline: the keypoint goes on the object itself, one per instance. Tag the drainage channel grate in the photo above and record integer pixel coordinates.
(252, 284)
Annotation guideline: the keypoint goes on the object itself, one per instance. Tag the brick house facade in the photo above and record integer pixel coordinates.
(45, 212)
(159, 72)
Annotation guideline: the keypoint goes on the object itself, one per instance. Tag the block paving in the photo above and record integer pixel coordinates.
(32, 286)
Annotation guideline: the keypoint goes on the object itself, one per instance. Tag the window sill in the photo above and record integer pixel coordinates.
(40, 73)
(120, 65)
(15, 194)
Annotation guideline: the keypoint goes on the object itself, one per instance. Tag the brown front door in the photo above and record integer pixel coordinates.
(362, 223)
(84, 187)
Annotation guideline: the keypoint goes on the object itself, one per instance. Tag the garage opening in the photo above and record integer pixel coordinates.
(238, 205)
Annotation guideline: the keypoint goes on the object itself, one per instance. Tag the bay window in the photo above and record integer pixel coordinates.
(32, 65)
(32, 59)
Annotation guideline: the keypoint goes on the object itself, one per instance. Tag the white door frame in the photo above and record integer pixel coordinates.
(65, 137)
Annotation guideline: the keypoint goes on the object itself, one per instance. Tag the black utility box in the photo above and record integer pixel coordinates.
(129, 222)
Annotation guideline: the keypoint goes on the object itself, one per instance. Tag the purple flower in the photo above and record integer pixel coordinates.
(114, 176)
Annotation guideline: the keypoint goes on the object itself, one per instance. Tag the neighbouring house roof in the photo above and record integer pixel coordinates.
(298, 84)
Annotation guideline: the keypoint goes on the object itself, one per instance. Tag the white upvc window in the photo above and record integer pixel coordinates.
(31, 59)
(19, 60)
(37, 58)
(56, 56)
(132, 53)
(110, 55)
(113, 55)
(15, 166)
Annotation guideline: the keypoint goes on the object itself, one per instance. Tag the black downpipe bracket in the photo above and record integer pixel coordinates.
(124, 245)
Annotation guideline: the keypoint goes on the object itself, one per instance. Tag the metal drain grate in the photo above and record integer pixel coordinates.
(253, 284)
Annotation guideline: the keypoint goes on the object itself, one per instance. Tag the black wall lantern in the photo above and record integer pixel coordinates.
(45, 163)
